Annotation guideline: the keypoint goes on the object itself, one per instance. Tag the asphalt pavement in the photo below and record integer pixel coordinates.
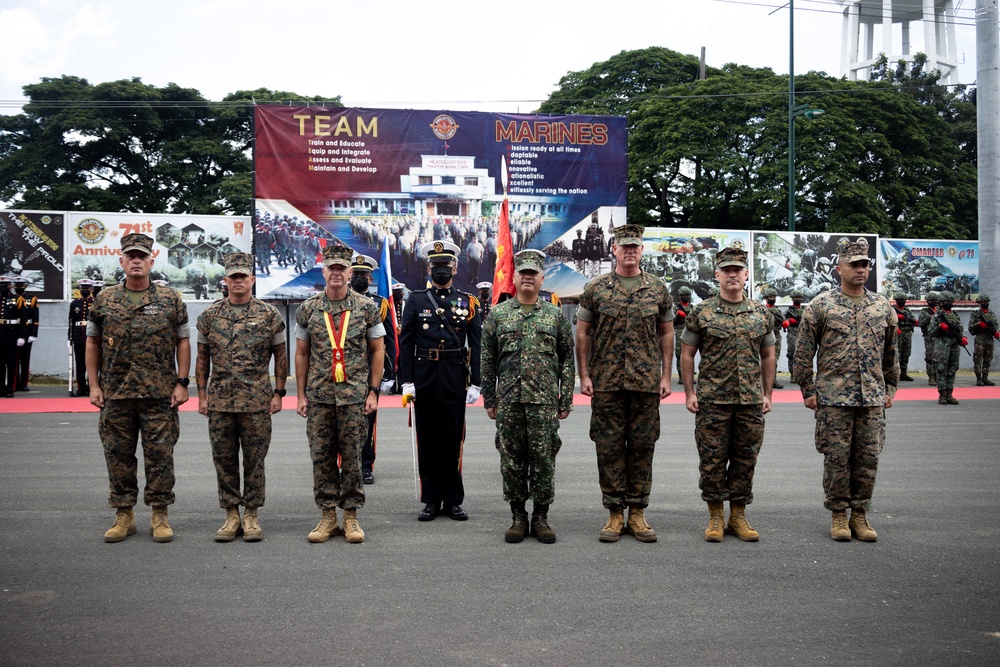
(454, 593)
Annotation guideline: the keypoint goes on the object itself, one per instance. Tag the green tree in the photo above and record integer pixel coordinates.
(128, 146)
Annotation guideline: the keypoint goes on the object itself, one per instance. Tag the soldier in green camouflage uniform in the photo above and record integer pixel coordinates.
(852, 334)
(924, 321)
(946, 329)
(983, 325)
(237, 336)
(735, 338)
(793, 316)
(778, 323)
(338, 367)
(681, 311)
(624, 351)
(139, 349)
(904, 334)
(528, 379)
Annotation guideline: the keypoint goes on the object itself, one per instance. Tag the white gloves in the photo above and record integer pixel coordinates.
(386, 386)
(409, 390)
(69, 345)
(472, 395)
(20, 342)
(32, 339)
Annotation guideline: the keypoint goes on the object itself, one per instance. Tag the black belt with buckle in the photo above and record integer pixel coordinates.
(435, 354)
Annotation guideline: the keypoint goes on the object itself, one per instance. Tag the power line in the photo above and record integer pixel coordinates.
(838, 12)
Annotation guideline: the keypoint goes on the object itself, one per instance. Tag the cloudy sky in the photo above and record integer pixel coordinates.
(498, 56)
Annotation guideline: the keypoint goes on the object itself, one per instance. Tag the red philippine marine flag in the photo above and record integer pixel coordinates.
(503, 276)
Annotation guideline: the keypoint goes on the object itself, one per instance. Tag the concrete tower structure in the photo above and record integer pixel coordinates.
(884, 26)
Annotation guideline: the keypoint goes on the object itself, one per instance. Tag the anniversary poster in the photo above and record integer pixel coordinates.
(920, 266)
(366, 177)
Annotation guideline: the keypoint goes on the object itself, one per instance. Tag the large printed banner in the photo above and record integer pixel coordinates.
(188, 250)
(919, 266)
(806, 261)
(406, 177)
(31, 246)
(686, 257)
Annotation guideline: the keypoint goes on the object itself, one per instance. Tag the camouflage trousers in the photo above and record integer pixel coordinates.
(119, 426)
(777, 351)
(850, 440)
(229, 432)
(930, 359)
(982, 355)
(904, 344)
(728, 434)
(528, 441)
(946, 354)
(791, 337)
(624, 426)
(678, 334)
(336, 434)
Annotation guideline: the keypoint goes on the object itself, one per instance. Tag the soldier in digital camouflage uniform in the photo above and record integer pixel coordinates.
(735, 338)
(624, 353)
(528, 381)
(138, 358)
(237, 336)
(792, 319)
(338, 367)
(907, 322)
(770, 297)
(681, 311)
(946, 330)
(852, 334)
(924, 322)
(983, 325)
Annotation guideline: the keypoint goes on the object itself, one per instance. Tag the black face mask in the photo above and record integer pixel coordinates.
(900, 302)
(19, 290)
(84, 293)
(685, 301)
(796, 302)
(947, 305)
(360, 284)
(5, 289)
(770, 302)
(441, 275)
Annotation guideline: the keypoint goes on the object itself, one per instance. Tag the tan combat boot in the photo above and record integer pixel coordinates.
(613, 528)
(352, 529)
(860, 527)
(519, 527)
(638, 527)
(950, 397)
(738, 524)
(231, 528)
(162, 532)
(540, 525)
(123, 527)
(326, 528)
(716, 520)
(251, 528)
(839, 530)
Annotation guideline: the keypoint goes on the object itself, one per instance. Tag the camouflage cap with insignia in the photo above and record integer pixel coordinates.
(364, 263)
(339, 255)
(852, 251)
(239, 262)
(139, 242)
(731, 256)
(529, 260)
(629, 235)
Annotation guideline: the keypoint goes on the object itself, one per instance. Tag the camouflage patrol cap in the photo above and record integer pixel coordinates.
(731, 256)
(983, 298)
(529, 260)
(769, 292)
(339, 255)
(684, 291)
(852, 251)
(629, 235)
(139, 242)
(239, 262)
(364, 263)
(947, 297)
(933, 296)
(797, 294)
(899, 295)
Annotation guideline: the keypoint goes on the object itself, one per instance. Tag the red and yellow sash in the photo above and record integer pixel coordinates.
(337, 337)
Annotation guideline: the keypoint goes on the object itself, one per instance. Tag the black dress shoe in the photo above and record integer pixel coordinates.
(368, 477)
(455, 512)
(429, 511)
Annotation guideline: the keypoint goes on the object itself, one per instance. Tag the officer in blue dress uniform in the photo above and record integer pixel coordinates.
(361, 277)
(439, 344)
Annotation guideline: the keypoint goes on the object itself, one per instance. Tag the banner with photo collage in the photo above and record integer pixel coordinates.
(921, 266)
(31, 246)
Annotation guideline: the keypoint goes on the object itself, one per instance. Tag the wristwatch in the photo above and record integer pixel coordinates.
(184, 382)
(280, 392)
(376, 390)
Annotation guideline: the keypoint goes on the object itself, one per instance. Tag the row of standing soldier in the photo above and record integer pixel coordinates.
(137, 345)
(18, 330)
